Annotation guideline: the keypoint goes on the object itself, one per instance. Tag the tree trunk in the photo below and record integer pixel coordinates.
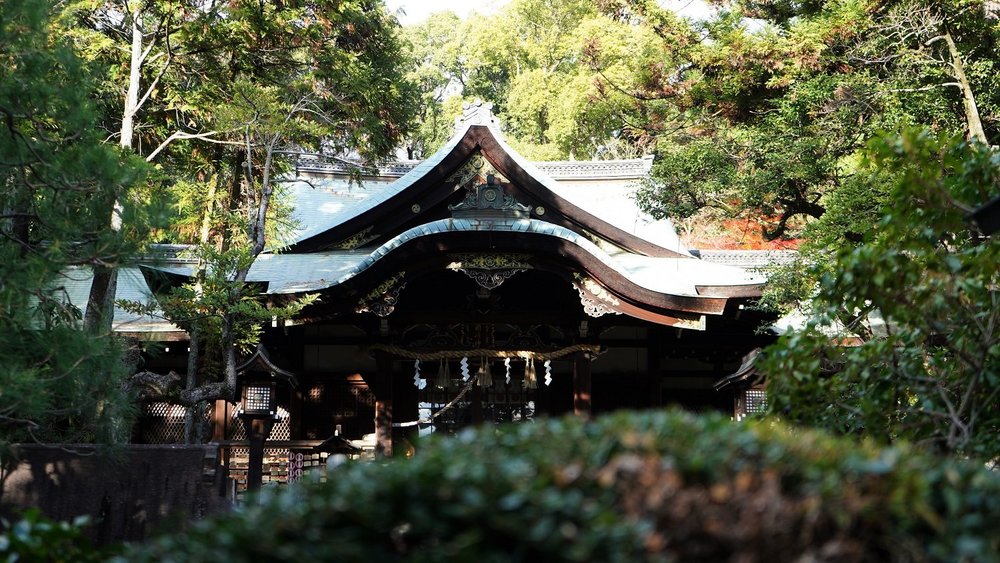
(229, 350)
(134, 77)
(100, 314)
(191, 382)
(194, 351)
(207, 392)
(972, 118)
(19, 224)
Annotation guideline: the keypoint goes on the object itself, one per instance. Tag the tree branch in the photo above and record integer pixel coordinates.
(150, 386)
(179, 135)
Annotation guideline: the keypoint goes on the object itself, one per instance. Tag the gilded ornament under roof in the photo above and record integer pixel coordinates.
(358, 239)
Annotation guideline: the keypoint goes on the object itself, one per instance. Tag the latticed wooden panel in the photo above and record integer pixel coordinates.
(163, 423)
(756, 401)
(282, 429)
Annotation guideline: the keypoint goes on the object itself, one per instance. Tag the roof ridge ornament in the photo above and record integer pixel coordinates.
(476, 113)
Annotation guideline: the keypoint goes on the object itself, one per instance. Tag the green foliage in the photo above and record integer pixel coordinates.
(771, 118)
(58, 178)
(232, 92)
(920, 292)
(628, 487)
(559, 73)
(276, 80)
(205, 305)
(436, 52)
(36, 539)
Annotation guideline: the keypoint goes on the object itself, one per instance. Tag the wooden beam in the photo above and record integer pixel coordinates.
(158, 336)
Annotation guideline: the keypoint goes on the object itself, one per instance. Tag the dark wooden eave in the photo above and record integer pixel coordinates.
(745, 376)
(260, 361)
(430, 253)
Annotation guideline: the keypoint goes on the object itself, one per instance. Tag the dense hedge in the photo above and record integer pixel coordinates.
(626, 487)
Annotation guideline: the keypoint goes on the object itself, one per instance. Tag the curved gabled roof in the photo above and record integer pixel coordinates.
(429, 184)
(325, 196)
(360, 245)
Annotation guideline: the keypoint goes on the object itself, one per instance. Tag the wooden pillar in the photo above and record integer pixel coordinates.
(383, 404)
(258, 430)
(220, 421)
(654, 366)
(405, 400)
(581, 384)
(295, 413)
(476, 404)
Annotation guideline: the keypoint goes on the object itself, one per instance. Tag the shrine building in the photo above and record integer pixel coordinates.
(476, 286)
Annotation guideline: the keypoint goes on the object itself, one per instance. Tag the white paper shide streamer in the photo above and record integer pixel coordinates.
(418, 382)
(464, 364)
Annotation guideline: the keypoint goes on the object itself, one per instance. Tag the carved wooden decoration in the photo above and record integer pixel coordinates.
(358, 239)
(382, 300)
(490, 270)
(596, 300)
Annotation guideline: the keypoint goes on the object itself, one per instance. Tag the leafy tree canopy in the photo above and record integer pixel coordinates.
(218, 97)
(253, 85)
(775, 112)
(786, 121)
(56, 383)
(921, 293)
(562, 76)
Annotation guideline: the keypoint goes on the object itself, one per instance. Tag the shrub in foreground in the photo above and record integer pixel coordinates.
(655, 486)
(37, 539)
